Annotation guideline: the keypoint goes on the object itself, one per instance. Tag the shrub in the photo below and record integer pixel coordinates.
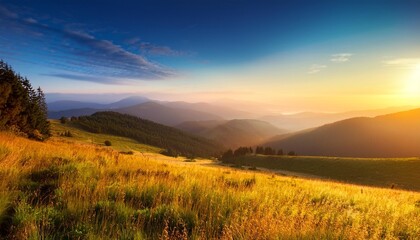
(107, 143)
(67, 134)
(63, 120)
(189, 160)
(253, 168)
(127, 153)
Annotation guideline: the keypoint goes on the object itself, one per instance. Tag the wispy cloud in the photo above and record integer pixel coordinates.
(90, 58)
(341, 57)
(7, 13)
(315, 68)
(403, 62)
(81, 77)
(151, 49)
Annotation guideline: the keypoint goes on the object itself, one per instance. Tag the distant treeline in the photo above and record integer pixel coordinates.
(230, 155)
(173, 141)
(22, 108)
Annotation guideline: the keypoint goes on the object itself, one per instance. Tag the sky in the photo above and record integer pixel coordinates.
(284, 55)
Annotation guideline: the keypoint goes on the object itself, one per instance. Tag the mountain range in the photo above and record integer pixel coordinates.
(305, 120)
(391, 135)
(233, 133)
(172, 140)
(149, 110)
(352, 134)
(65, 105)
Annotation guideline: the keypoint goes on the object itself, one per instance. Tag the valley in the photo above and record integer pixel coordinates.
(196, 120)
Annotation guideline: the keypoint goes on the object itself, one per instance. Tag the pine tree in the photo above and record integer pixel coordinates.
(44, 125)
(22, 109)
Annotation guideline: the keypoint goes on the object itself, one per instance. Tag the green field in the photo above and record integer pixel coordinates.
(119, 143)
(402, 173)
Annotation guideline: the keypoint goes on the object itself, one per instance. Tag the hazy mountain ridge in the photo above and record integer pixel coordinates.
(233, 133)
(304, 120)
(391, 135)
(223, 111)
(166, 115)
(149, 110)
(63, 105)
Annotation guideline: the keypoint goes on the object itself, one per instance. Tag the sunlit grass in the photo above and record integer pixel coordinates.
(119, 143)
(74, 190)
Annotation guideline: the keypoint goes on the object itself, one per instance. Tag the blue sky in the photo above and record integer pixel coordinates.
(210, 50)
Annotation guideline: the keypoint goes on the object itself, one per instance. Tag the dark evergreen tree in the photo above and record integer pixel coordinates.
(44, 125)
(269, 151)
(22, 109)
(227, 156)
(63, 120)
(259, 150)
(241, 151)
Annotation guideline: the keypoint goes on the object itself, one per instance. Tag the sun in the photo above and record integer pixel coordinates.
(412, 87)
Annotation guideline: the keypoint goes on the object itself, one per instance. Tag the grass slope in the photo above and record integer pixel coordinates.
(401, 173)
(148, 132)
(122, 144)
(73, 190)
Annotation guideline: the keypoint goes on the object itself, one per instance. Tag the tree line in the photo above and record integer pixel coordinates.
(242, 151)
(23, 109)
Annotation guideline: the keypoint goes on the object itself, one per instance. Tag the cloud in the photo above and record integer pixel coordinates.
(403, 62)
(151, 49)
(90, 58)
(80, 77)
(133, 41)
(341, 57)
(315, 68)
(7, 13)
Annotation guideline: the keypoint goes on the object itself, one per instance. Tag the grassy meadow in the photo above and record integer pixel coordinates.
(119, 143)
(71, 189)
(402, 173)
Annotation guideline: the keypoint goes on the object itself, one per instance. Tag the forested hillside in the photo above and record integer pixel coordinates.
(22, 108)
(148, 132)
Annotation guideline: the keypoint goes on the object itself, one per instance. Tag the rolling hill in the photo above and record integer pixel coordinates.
(148, 132)
(152, 111)
(233, 133)
(68, 105)
(166, 115)
(392, 135)
(64, 105)
(73, 112)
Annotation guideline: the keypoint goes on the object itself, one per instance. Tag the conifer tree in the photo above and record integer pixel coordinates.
(22, 109)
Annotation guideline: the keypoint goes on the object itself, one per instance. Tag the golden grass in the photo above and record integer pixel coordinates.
(61, 189)
(118, 143)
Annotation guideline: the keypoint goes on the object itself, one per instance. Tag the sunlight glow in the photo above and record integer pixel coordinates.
(412, 87)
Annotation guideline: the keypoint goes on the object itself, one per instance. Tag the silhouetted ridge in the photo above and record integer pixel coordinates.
(391, 135)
